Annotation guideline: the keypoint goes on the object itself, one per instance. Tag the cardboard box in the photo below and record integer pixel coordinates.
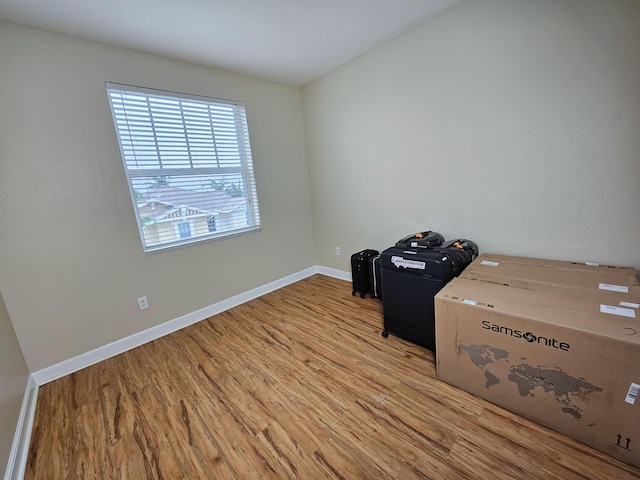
(576, 266)
(622, 295)
(560, 361)
(592, 279)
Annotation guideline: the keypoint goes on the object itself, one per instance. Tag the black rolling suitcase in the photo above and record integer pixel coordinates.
(375, 279)
(469, 248)
(360, 271)
(412, 276)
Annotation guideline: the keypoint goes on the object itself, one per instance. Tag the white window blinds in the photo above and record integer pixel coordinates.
(188, 163)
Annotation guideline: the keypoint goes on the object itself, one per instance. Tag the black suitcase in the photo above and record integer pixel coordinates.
(423, 239)
(412, 276)
(360, 271)
(375, 279)
(467, 246)
(461, 252)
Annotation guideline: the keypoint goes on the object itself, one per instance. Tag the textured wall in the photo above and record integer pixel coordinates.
(13, 381)
(512, 123)
(71, 262)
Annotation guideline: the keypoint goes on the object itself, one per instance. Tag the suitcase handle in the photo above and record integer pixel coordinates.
(412, 240)
(444, 252)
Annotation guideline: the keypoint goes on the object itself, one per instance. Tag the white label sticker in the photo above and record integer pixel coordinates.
(470, 302)
(632, 395)
(622, 312)
(404, 263)
(592, 264)
(614, 288)
(629, 304)
(491, 264)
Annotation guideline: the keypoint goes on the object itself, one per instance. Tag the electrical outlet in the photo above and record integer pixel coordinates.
(143, 303)
(337, 250)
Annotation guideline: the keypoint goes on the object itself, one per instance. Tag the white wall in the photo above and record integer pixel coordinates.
(71, 262)
(13, 381)
(515, 123)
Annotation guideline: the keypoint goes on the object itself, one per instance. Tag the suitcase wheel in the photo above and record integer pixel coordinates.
(385, 334)
(353, 293)
(362, 295)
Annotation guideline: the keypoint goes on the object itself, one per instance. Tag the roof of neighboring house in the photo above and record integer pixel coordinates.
(207, 202)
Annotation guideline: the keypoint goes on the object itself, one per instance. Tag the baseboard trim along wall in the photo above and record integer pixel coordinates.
(20, 448)
(332, 272)
(74, 364)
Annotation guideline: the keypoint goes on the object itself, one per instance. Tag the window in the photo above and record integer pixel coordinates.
(211, 223)
(188, 163)
(184, 230)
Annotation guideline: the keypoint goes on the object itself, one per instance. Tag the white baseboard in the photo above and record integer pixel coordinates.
(74, 364)
(332, 272)
(20, 449)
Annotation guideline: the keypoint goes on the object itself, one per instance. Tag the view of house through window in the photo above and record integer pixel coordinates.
(189, 166)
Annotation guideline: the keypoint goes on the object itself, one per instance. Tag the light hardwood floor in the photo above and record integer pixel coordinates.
(296, 384)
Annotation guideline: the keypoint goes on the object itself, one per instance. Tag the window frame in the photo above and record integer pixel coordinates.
(229, 167)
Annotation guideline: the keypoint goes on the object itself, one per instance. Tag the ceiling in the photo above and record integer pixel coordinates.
(287, 41)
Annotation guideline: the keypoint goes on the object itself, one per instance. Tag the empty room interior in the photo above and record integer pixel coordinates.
(233, 343)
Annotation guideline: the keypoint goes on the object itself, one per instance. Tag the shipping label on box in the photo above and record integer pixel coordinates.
(573, 372)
